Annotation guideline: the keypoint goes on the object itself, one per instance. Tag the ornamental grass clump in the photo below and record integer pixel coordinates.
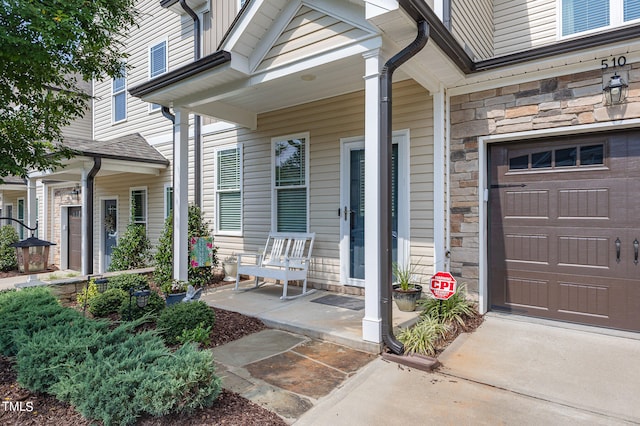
(422, 337)
(438, 319)
(457, 308)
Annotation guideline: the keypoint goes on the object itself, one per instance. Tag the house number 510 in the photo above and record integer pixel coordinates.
(620, 61)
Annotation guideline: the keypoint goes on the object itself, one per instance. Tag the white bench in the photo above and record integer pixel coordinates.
(286, 257)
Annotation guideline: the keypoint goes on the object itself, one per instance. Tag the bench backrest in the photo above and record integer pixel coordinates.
(292, 245)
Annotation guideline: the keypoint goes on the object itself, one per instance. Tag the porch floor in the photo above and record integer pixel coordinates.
(337, 322)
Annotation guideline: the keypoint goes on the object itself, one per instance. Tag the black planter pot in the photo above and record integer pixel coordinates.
(406, 299)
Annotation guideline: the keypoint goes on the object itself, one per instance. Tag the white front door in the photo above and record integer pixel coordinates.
(352, 207)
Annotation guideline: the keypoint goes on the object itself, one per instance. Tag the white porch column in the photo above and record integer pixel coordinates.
(31, 204)
(440, 174)
(372, 321)
(85, 218)
(180, 195)
(31, 217)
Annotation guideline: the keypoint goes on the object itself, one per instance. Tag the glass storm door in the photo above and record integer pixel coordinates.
(352, 212)
(109, 230)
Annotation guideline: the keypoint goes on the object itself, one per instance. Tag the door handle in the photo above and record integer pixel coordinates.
(618, 246)
(636, 245)
(346, 212)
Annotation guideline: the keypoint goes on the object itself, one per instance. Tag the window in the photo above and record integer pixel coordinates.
(290, 176)
(229, 190)
(168, 200)
(157, 64)
(565, 157)
(139, 205)
(119, 97)
(580, 16)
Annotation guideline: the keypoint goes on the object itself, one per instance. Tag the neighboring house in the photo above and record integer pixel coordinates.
(510, 169)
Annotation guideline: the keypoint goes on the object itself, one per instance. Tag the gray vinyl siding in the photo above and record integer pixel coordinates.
(327, 121)
(155, 24)
(472, 24)
(524, 25)
(223, 14)
(82, 127)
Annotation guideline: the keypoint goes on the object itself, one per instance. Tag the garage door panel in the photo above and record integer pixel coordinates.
(553, 249)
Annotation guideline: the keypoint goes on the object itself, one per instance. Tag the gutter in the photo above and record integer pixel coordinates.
(97, 163)
(197, 120)
(205, 64)
(419, 10)
(384, 166)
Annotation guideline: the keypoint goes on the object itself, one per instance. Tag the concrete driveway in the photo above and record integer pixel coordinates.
(510, 371)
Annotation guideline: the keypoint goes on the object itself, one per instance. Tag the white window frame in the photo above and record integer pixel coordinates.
(616, 19)
(239, 147)
(146, 204)
(168, 203)
(150, 74)
(120, 91)
(203, 35)
(274, 189)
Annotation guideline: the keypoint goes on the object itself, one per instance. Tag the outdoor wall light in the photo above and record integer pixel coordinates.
(616, 91)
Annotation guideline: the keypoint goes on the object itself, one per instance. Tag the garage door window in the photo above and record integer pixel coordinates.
(565, 157)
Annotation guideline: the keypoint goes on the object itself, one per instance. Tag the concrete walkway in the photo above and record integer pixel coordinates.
(510, 372)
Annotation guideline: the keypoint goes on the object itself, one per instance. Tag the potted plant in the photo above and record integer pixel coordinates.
(174, 291)
(406, 289)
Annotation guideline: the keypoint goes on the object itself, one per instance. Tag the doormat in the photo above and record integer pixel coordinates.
(341, 302)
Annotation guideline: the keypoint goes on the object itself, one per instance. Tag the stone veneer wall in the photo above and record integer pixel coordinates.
(555, 102)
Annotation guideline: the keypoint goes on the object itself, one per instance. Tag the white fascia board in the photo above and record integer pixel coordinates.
(242, 25)
(363, 46)
(343, 11)
(374, 8)
(131, 166)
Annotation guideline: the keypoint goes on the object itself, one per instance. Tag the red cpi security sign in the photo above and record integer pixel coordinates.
(442, 285)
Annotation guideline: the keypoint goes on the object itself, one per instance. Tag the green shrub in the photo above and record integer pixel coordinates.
(200, 335)
(108, 302)
(88, 293)
(111, 375)
(184, 316)
(8, 261)
(127, 281)
(49, 353)
(198, 277)
(154, 306)
(422, 337)
(456, 308)
(24, 313)
(133, 250)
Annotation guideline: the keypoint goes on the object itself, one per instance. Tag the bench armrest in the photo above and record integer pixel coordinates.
(256, 256)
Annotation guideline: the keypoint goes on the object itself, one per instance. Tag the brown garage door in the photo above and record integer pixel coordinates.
(564, 231)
